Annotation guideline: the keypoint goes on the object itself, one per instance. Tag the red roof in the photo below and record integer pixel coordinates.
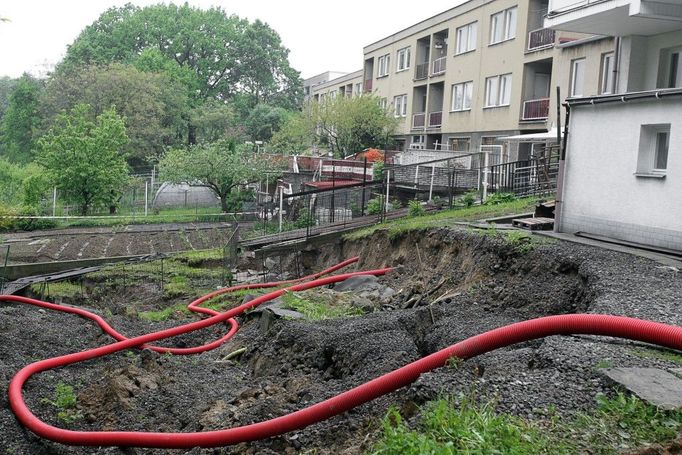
(332, 183)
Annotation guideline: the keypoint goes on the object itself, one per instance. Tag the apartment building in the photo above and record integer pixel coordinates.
(626, 147)
(481, 71)
(312, 82)
(346, 85)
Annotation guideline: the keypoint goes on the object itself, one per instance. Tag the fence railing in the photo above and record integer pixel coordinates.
(421, 71)
(435, 119)
(419, 120)
(525, 178)
(439, 66)
(535, 109)
(541, 38)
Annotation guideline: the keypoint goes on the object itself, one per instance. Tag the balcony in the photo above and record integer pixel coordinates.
(540, 39)
(421, 71)
(367, 86)
(435, 119)
(439, 66)
(418, 121)
(536, 109)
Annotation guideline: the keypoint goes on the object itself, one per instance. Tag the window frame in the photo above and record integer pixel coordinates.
(383, 62)
(650, 148)
(574, 62)
(606, 82)
(470, 36)
(406, 55)
(500, 89)
(400, 106)
(507, 19)
(675, 69)
(467, 87)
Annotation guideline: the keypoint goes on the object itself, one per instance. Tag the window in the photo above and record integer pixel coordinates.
(332, 94)
(578, 77)
(358, 89)
(383, 65)
(418, 142)
(400, 106)
(403, 59)
(460, 144)
(461, 96)
(606, 85)
(466, 38)
(675, 70)
(498, 90)
(503, 26)
(654, 142)
(383, 103)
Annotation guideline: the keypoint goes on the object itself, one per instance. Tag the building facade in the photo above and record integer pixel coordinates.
(481, 71)
(312, 82)
(622, 175)
(347, 85)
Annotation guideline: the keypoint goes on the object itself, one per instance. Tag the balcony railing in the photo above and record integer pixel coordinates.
(541, 38)
(435, 119)
(367, 86)
(421, 71)
(439, 66)
(535, 109)
(418, 120)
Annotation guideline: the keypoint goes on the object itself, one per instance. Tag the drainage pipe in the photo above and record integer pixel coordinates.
(589, 324)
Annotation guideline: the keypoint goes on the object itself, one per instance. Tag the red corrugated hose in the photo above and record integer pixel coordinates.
(589, 324)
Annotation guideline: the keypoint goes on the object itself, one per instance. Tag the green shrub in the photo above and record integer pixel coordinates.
(374, 206)
(304, 219)
(415, 208)
(500, 198)
(469, 198)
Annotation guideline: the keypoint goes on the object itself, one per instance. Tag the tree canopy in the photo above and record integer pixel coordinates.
(152, 104)
(21, 120)
(228, 55)
(219, 166)
(349, 125)
(83, 157)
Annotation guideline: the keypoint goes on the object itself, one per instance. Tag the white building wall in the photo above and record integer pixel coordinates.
(601, 193)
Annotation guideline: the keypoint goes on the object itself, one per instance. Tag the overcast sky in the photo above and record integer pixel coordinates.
(321, 35)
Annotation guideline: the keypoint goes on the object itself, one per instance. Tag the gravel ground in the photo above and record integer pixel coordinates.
(483, 281)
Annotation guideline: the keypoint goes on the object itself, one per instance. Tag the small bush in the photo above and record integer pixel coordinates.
(469, 198)
(304, 219)
(65, 403)
(415, 209)
(374, 206)
(500, 198)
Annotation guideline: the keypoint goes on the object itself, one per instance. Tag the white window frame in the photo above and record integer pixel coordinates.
(466, 38)
(358, 89)
(383, 103)
(400, 106)
(675, 70)
(383, 65)
(503, 25)
(403, 59)
(498, 90)
(650, 147)
(575, 73)
(606, 83)
(466, 89)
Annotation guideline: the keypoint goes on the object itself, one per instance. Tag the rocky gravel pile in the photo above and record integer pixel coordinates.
(481, 282)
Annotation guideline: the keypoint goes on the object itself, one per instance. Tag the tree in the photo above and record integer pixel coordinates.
(296, 135)
(228, 55)
(215, 121)
(349, 125)
(264, 121)
(21, 121)
(84, 157)
(219, 166)
(7, 85)
(152, 105)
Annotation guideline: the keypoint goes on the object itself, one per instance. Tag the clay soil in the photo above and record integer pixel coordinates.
(478, 282)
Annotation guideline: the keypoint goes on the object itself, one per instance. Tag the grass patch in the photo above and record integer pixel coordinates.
(398, 227)
(64, 402)
(445, 427)
(323, 308)
(164, 314)
(64, 289)
(448, 428)
(668, 356)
